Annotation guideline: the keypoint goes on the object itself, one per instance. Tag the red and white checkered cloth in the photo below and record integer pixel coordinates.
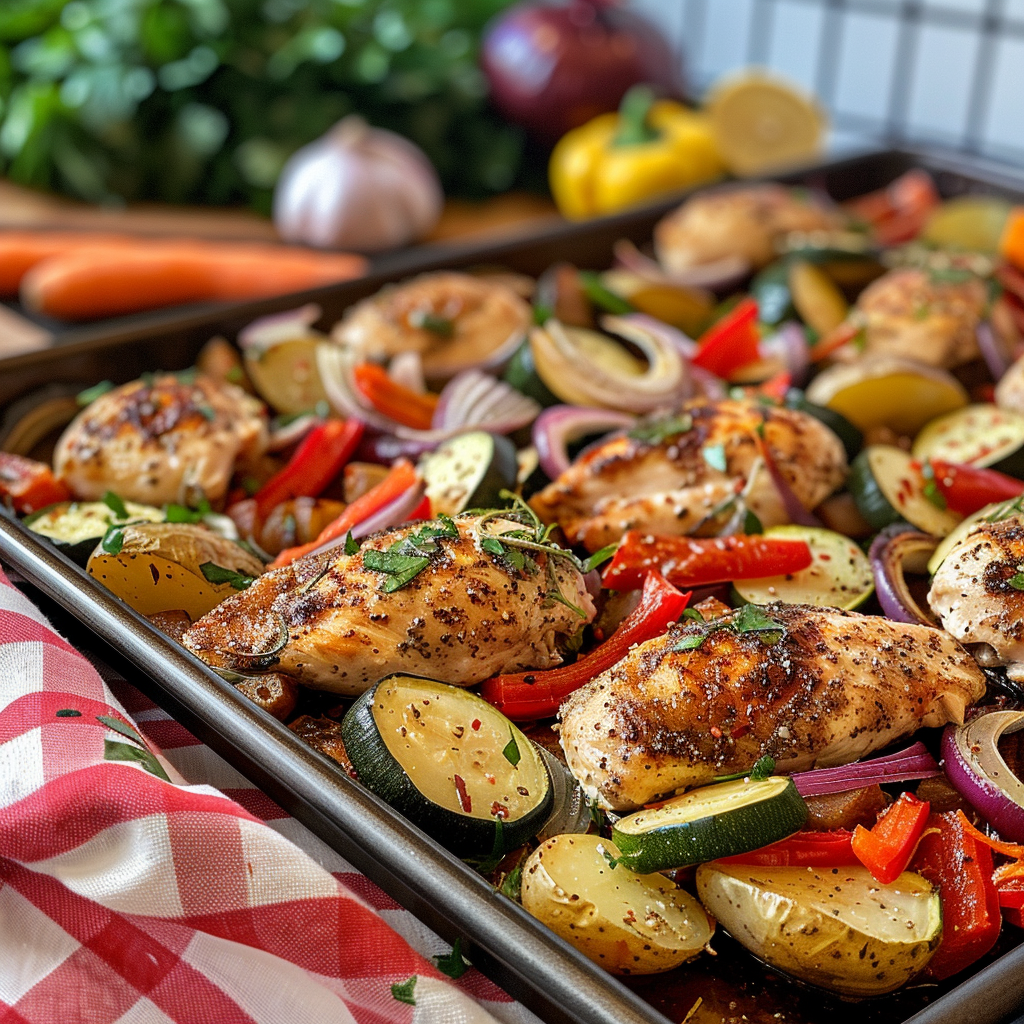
(142, 879)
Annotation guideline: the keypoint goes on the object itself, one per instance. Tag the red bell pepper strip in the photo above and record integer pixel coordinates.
(27, 485)
(403, 475)
(391, 399)
(527, 696)
(732, 343)
(692, 562)
(969, 488)
(803, 850)
(1011, 901)
(898, 212)
(886, 849)
(961, 867)
(319, 458)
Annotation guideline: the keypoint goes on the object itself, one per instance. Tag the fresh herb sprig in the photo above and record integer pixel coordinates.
(750, 619)
(404, 560)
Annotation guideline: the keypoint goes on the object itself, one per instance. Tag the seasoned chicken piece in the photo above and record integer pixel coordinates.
(672, 481)
(812, 687)
(920, 315)
(466, 615)
(162, 440)
(978, 591)
(452, 320)
(745, 221)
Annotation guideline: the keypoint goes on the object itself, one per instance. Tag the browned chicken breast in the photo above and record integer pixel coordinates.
(162, 440)
(921, 315)
(451, 319)
(466, 615)
(811, 687)
(746, 222)
(671, 481)
(978, 592)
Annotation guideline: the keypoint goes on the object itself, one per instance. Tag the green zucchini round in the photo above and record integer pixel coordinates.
(470, 471)
(522, 374)
(430, 750)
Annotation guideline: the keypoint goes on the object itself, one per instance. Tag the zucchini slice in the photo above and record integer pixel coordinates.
(839, 577)
(522, 374)
(76, 527)
(887, 488)
(852, 438)
(833, 927)
(469, 471)
(710, 822)
(978, 435)
(448, 761)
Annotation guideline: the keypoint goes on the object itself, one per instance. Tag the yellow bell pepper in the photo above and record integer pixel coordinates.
(649, 148)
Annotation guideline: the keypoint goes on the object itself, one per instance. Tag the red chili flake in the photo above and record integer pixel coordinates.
(716, 732)
(476, 724)
(465, 800)
(499, 810)
(740, 730)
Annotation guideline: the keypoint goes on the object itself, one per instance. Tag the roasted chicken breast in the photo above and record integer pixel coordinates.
(811, 687)
(920, 315)
(468, 614)
(671, 481)
(745, 221)
(976, 592)
(162, 440)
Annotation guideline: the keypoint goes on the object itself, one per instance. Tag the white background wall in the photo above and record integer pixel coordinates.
(947, 72)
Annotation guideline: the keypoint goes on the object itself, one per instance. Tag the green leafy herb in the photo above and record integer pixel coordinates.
(599, 557)
(114, 750)
(749, 619)
(89, 395)
(219, 574)
(542, 313)
(950, 275)
(424, 320)
(404, 992)
(511, 750)
(693, 613)
(113, 540)
(404, 560)
(512, 884)
(68, 713)
(764, 768)
(183, 514)
(751, 523)
(602, 296)
(351, 544)
(690, 643)
(115, 504)
(1017, 582)
(931, 489)
(596, 814)
(452, 963)
(657, 431)
(714, 456)
(1006, 510)
(486, 865)
(613, 861)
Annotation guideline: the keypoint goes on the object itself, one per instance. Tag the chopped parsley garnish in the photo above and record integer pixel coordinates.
(424, 320)
(749, 619)
(764, 768)
(511, 750)
(404, 560)
(612, 861)
(113, 540)
(512, 884)
(115, 504)
(183, 514)
(693, 613)
(714, 456)
(751, 523)
(89, 395)
(1017, 582)
(351, 544)
(219, 574)
(453, 964)
(657, 431)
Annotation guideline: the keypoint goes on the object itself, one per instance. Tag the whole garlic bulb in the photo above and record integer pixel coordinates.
(359, 188)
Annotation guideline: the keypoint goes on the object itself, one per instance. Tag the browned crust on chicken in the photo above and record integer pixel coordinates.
(162, 440)
(834, 687)
(918, 315)
(462, 619)
(670, 487)
(745, 221)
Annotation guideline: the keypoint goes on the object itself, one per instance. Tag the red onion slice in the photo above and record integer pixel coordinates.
(991, 350)
(890, 553)
(556, 428)
(686, 346)
(979, 773)
(268, 331)
(393, 514)
(476, 400)
(385, 448)
(795, 510)
(913, 763)
(717, 276)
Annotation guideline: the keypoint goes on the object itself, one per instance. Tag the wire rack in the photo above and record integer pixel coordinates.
(949, 73)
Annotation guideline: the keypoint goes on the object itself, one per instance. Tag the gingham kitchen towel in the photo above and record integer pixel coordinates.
(143, 880)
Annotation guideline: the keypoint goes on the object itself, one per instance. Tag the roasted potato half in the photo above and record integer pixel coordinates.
(627, 923)
(159, 567)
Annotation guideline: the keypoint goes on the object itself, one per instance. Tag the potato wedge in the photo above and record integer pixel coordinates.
(833, 927)
(158, 567)
(627, 923)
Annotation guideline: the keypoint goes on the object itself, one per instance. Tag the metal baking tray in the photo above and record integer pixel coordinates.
(519, 953)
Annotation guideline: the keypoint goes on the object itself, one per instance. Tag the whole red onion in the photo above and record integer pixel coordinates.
(554, 67)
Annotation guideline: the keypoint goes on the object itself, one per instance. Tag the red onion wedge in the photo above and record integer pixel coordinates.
(717, 276)
(979, 773)
(268, 331)
(897, 549)
(790, 343)
(478, 400)
(913, 763)
(684, 343)
(795, 510)
(556, 428)
(992, 351)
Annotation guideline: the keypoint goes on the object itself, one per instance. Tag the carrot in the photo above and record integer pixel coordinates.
(20, 251)
(111, 280)
(401, 404)
(1011, 245)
